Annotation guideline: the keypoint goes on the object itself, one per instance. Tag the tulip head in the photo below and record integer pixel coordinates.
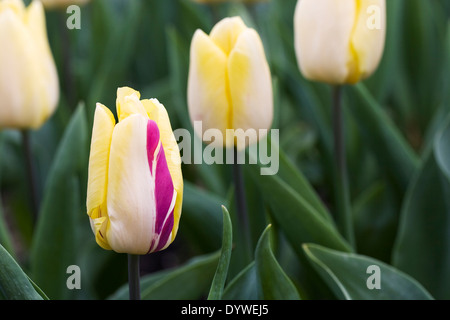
(135, 185)
(339, 41)
(29, 89)
(229, 84)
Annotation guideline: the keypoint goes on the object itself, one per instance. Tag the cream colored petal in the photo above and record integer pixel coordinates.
(157, 112)
(322, 31)
(208, 93)
(130, 196)
(250, 85)
(35, 20)
(226, 32)
(128, 103)
(368, 38)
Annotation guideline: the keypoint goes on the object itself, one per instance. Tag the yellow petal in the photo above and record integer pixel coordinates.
(368, 38)
(128, 103)
(98, 170)
(250, 85)
(157, 112)
(226, 32)
(130, 196)
(208, 92)
(322, 38)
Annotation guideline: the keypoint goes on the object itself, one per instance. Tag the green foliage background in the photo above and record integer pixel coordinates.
(398, 149)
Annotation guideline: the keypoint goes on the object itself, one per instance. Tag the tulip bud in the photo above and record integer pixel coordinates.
(339, 41)
(135, 185)
(57, 4)
(29, 89)
(229, 85)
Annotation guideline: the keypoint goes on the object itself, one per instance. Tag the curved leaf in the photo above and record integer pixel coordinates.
(245, 286)
(220, 277)
(54, 245)
(422, 247)
(349, 275)
(14, 283)
(275, 284)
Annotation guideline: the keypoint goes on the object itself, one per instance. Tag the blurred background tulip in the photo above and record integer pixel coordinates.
(341, 41)
(229, 84)
(135, 185)
(29, 88)
(58, 4)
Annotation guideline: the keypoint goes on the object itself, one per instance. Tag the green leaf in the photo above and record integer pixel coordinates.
(54, 246)
(14, 283)
(220, 277)
(351, 276)
(295, 215)
(245, 286)
(190, 281)
(275, 284)
(391, 149)
(422, 247)
(200, 220)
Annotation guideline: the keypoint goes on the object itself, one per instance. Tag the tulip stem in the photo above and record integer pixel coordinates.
(30, 174)
(133, 277)
(241, 204)
(342, 193)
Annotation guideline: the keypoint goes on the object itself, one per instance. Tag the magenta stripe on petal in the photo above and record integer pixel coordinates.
(164, 190)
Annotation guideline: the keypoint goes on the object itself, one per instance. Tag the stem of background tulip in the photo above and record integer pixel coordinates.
(30, 174)
(133, 277)
(342, 194)
(241, 204)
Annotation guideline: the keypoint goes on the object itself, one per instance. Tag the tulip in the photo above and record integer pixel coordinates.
(52, 4)
(339, 41)
(29, 89)
(229, 84)
(135, 185)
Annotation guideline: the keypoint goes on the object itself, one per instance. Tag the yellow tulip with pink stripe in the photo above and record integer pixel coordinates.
(135, 183)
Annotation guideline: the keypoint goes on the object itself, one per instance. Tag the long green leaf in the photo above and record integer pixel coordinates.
(390, 148)
(244, 286)
(54, 245)
(275, 284)
(357, 277)
(422, 247)
(14, 283)
(220, 277)
(295, 215)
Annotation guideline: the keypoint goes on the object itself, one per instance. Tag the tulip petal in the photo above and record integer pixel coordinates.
(98, 172)
(208, 94)
(226, 32)
(322, 38)
(35, 18)
(130, 195)
(165, 194)
(368, 37)
(128, 103)
(158, 113)
(250, 85)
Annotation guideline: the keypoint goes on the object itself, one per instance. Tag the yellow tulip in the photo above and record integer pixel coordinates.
(229, 84)
(135, 184)
(29, 89)
(339, 41)
(52, 4)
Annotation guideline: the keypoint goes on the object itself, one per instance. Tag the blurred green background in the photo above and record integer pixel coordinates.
(397, 138)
